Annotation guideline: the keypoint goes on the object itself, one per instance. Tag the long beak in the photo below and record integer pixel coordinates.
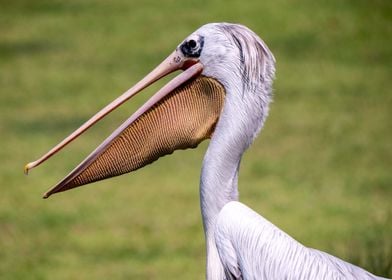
(180, 115)
(172, 63)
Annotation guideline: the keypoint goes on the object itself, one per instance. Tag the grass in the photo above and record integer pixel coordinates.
(321, 169)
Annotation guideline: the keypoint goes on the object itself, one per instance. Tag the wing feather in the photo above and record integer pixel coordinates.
(250, 244)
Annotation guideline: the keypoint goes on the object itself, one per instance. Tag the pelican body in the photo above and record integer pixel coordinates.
(223, 94)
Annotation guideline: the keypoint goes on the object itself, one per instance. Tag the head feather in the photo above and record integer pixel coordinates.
(256, 61)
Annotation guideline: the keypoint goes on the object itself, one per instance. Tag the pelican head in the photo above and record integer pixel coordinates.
(224, 66)
(231, 53)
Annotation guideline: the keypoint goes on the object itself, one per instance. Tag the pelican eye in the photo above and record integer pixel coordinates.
(192, 47)
(192, 44)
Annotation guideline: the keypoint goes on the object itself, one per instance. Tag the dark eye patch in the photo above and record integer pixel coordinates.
(192, 48)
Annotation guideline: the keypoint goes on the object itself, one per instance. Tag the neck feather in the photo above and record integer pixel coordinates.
(234, 133)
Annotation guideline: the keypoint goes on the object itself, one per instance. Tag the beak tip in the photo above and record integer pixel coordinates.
(26, 169)
(46, 195)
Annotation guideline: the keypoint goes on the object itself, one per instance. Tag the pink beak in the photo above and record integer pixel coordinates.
(180, 115)
(173, 62)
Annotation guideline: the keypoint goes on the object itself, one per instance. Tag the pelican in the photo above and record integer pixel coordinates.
(223, 94)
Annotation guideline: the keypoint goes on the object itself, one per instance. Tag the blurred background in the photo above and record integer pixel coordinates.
(320, 170)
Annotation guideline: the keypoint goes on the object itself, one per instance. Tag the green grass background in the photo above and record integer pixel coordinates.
(321, 169)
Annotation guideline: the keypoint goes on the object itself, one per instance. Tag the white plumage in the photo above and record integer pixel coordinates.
(251, 247)
(240, 243)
